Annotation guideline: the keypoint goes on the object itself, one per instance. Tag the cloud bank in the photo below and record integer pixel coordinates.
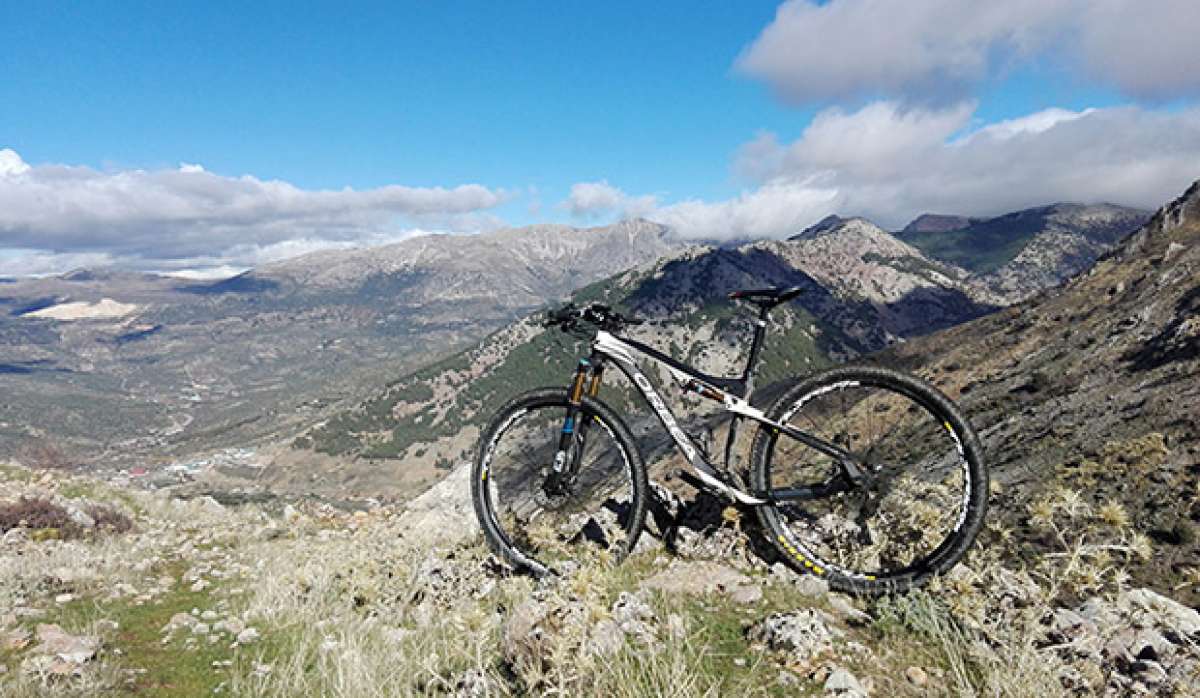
(594, 199)
(890, 163)
(936, 51)
(188, 216)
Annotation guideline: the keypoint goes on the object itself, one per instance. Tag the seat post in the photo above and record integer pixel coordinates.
(760, 331)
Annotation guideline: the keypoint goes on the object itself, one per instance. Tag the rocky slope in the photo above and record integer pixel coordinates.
(1095, 389)
(190, 597)
(1015, 255)
(113, 364)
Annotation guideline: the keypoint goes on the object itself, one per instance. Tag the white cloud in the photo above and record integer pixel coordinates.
(11, 163)
(189, 213)
(890, 163)
(593, 199)
(773, 210)
(935, 51)
(1033, 123)
(905, 162)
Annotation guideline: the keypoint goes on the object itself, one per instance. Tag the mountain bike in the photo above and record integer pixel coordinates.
(866, 476)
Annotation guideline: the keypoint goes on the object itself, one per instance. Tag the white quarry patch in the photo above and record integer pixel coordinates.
(104, 309)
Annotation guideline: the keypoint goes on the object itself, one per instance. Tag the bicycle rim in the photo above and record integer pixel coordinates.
(593, 520)
(909, 518)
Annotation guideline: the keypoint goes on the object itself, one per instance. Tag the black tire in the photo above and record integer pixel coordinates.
(924, 474)
(520, 486)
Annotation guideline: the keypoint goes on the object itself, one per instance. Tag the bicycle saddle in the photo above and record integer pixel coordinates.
(767, 297)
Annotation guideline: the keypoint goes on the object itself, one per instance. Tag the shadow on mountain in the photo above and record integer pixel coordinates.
(1178, 341)
(137, 335)
(22, 368)
(32, 306)
(242, 283)
(927, 309)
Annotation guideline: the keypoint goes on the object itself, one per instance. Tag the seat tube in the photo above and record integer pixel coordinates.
(760, 331)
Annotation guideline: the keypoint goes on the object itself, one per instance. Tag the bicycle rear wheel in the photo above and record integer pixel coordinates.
(596, 513)
(922, 501)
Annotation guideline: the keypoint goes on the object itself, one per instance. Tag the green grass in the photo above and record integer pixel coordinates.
(170, 670)
(15, 473)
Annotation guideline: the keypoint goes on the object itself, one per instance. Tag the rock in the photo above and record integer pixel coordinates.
(248, 636)
(843, 683)
(179, 621)
(200, 585)
(1167, 612)
(633, 615)
(811, 584)
(443, 514)
(74, 649)
(290, 516)
(232, 625)
(844, 609)
(1100, 613)
(1071, 627)
(16, 536)
(63, 599)
(746, 595)
(80, 517)
(803, 634)
(1148, 644)
(916, 676)
(200, 629)
(704, 577)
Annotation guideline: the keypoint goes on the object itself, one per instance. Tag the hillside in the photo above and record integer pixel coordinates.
(1095, 390)
(115, 366)
(1017, 254)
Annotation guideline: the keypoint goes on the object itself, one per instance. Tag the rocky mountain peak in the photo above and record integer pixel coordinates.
(1174, 225)
(825, 224)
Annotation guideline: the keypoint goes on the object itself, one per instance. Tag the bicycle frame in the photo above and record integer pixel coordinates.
(622, 351)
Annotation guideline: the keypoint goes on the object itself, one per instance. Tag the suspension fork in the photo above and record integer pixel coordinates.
(575, 425)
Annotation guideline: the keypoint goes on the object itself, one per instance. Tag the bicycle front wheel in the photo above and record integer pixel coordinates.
(543, 521)
(914, 512)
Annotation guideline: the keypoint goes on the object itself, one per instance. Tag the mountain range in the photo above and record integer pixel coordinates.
(120, 367)
(865, 290)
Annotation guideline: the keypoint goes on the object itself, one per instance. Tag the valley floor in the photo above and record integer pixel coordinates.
(196, 598)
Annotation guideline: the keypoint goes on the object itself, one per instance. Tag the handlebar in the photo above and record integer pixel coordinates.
(568, 318)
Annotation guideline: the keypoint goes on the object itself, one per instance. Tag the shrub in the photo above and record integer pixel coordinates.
(35, 513)
(40, 514)
(109, 519)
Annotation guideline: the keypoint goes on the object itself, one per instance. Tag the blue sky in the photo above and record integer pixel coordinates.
(468, 116)
(511, 94)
